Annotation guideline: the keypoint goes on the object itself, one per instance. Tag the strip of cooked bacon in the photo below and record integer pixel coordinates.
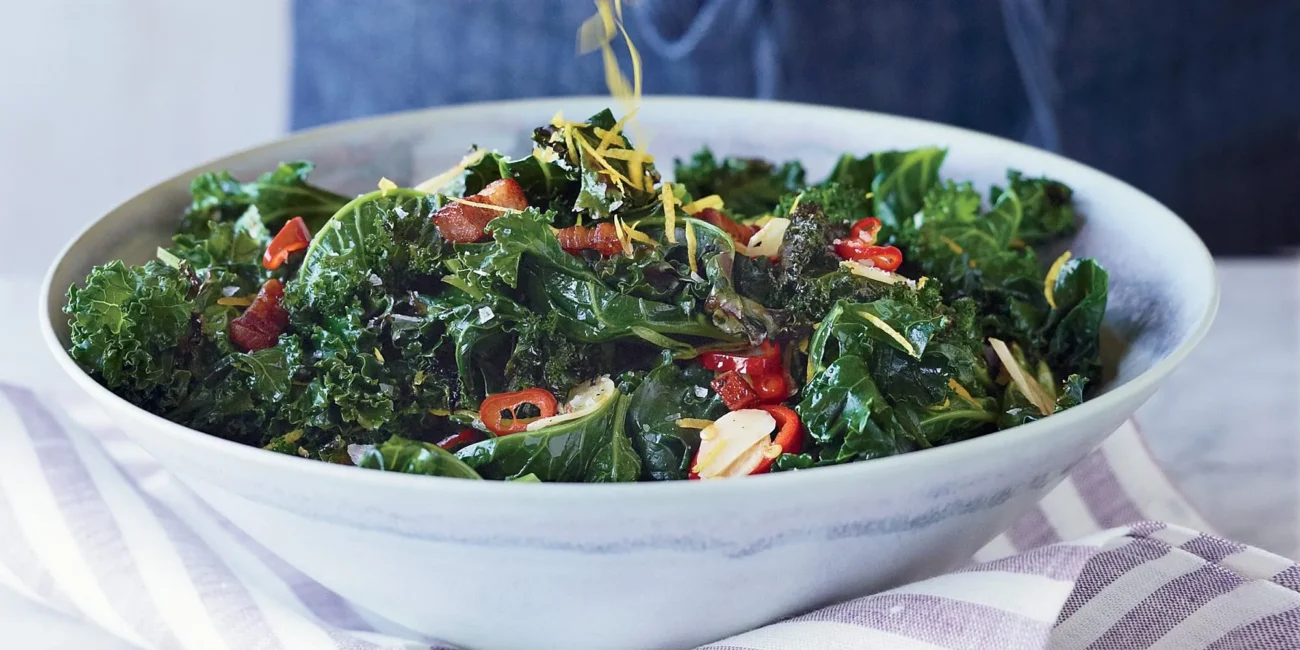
(739, 232)
(260, 326)
(603, 238)
(462, 223)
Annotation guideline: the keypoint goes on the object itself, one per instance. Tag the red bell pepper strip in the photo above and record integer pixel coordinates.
(738, 231)
(260, 326)
(885, 258)
(461, 223)
(865, 229)
(457, 440)
(602, 237)
(765, 360)
(789, 434)
(735, 392)
(293, 237)
(492, 408)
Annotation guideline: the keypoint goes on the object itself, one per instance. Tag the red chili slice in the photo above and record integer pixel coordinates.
(460, 439)
(771, 388)
(789, 434)
(461, 223)
(886, 258)
(293, 237)
(490, 412)
(735, 391)
(764, 360)
(260, 326)
(865, 229)
(602, 238)
(738, 231)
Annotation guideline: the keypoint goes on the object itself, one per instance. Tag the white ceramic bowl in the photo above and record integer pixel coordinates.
(658, 565)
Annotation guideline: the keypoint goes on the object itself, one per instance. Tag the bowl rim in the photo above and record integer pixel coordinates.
(901, 464)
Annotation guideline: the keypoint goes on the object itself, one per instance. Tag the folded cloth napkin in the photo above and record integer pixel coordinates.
(92, 527)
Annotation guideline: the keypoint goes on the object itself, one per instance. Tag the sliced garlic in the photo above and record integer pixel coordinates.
(767, 241)
(735, 444)
(583, 399)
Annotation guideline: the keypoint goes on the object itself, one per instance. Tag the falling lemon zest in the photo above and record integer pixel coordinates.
(442, 413)
(379, 355)
(235, 301)
(385, 186)
(952, 245)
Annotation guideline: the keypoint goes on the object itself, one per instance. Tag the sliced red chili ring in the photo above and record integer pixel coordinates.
(492, 409)
(885, 258)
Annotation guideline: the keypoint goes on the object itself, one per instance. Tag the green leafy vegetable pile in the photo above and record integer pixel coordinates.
(397, 331)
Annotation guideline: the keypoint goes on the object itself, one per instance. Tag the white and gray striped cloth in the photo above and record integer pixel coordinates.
(92, 527)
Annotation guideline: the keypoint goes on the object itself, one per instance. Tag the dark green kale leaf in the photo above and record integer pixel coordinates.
(399, 454)
(926, 360)
(586, 449)
(526, 252)
(749, 187)
(976, 259)
(668, 394)
(848, 418)
(898, 180)
(277, 196)
(133, 329)
(903, 178)
(1071, 336)
(1048, 207)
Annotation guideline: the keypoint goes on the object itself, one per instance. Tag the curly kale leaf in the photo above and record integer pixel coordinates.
(542, 357)
(749, 187)
(1048, 207)
(132, 329)
(277, 196)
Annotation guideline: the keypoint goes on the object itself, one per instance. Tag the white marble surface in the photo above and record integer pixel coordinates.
(1226, 426)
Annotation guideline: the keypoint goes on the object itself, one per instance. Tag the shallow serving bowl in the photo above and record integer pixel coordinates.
(658, 565)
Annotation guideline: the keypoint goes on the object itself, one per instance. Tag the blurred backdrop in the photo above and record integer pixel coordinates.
(1195, 101)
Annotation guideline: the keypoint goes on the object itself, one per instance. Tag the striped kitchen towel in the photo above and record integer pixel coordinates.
(92, 527)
